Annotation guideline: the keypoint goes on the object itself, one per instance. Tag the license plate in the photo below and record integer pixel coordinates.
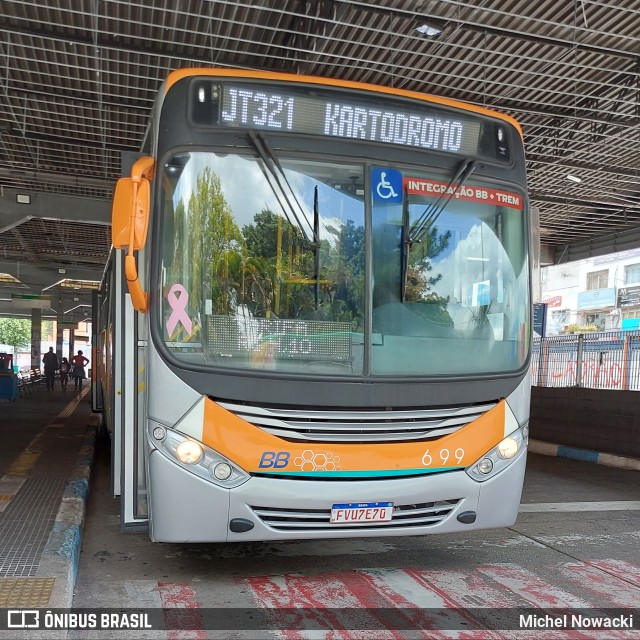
(361, 512)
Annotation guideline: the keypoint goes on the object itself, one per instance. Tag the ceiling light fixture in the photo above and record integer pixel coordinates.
(573, 178)
(428, 30)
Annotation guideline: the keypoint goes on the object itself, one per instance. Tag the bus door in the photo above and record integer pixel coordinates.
(97, 364)
(128, 468)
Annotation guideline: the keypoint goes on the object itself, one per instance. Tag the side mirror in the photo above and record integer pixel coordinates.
(130, 210)
(130, 222)
(130, 207)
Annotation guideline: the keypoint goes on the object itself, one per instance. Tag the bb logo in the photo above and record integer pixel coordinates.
(274, 459)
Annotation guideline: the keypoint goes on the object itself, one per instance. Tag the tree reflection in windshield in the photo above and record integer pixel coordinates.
(247, 265)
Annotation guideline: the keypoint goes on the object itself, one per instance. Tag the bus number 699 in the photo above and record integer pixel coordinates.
(442, 456)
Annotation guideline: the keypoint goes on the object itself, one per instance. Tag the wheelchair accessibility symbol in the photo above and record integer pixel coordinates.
(386, 185)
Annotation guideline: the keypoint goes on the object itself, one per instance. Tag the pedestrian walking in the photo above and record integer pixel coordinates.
(50, 360)
(65, 369)
(79, 362)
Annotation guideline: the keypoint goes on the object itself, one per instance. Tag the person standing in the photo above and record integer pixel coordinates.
(65, 369)
(50, 360)
(79, 362)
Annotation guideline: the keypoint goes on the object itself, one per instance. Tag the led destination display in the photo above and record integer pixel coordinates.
(328, 113)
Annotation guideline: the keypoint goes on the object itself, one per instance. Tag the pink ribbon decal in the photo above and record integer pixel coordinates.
(178, 304)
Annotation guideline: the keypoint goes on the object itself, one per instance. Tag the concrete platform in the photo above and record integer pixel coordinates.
(48, 440)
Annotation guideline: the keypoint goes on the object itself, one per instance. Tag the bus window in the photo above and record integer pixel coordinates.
(464, 283)
(244, 279)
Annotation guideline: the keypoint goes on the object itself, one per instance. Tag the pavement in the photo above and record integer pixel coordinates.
(45, 463)
(574, 453)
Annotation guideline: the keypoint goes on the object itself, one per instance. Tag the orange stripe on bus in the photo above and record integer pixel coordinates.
(246, 445)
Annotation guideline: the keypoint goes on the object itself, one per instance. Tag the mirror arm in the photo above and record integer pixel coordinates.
(139, 298)
(143, 168)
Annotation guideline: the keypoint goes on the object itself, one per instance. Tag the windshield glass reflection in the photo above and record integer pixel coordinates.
(264, 286)
(265, 270)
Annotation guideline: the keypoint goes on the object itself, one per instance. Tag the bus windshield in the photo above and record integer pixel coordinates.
(273, 272)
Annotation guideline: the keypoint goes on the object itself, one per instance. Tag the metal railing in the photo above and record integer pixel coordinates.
(607, 360)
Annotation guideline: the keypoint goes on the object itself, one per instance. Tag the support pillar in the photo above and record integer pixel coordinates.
(36, 338)
(59, 329)
(72, 339)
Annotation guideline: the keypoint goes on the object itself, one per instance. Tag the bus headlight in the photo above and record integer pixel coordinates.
(500, 457)
(189, 452)
(508, 448)
(198, 458)
(222, 471)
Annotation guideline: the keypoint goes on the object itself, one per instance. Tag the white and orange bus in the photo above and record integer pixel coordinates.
(315, 321)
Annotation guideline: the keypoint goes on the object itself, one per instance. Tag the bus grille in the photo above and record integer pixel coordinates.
(358, 426)
(426, 514)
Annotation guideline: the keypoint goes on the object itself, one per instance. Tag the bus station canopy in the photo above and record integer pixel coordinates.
(79, 79)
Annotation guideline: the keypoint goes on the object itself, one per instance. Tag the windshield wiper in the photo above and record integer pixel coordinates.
(405, 246)
(316, 245)
(277, 179)
(430, 215)
(417, 232)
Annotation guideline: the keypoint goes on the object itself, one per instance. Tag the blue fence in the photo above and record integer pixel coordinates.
(608, 360)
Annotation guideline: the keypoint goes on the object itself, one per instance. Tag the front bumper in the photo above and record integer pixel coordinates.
(186, 508)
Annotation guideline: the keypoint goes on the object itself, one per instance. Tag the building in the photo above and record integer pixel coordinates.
(596, 294)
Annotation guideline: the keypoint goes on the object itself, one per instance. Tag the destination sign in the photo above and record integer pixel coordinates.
(268, 339)
(336, 114)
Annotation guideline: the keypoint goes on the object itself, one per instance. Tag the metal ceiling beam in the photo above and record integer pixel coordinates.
(50, 205)
(538, 38)
(601, 246)
(576, 85)
(38, 276)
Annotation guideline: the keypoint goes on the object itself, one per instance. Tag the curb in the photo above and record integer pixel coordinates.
(562, 451)
(61, 554)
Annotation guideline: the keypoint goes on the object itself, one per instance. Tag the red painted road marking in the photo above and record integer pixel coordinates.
(531, 588)
(542, 594)
(180, 596)
(307, 595)
(405, 589)
(472, 590)
(297, 602)
(355, 592)
(462, 590)
(602, 580)
(621, 569)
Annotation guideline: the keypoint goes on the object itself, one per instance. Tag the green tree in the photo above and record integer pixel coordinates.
(47, 328)
(213, 237)
(15, 332)
(281, 270)
(349, 273)
(179, 270)
(262, 236)
(421, 279)
(278, 257)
